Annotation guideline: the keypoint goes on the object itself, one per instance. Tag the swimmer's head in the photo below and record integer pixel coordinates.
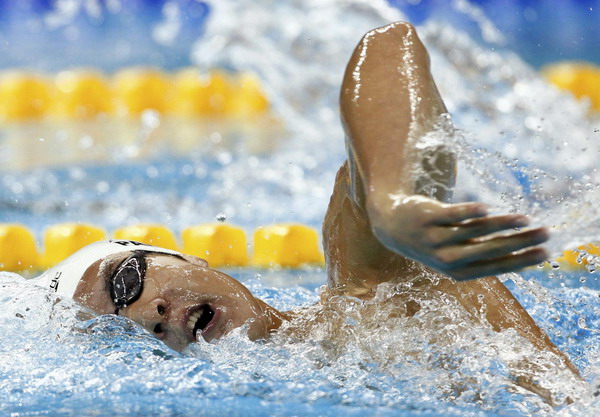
(176, 297)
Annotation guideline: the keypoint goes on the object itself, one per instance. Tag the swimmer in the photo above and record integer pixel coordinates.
(382, 226)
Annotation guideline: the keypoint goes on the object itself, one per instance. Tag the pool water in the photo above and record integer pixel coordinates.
(523, 146)
(59, 360)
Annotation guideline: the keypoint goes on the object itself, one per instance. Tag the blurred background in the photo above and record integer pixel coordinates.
(118, 113)
(50, 35)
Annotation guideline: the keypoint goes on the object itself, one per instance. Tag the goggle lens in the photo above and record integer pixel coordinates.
(127, 282)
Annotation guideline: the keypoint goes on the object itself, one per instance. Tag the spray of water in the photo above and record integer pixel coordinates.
(522, 146)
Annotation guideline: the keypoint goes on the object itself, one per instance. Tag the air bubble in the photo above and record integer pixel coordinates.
(221, 217)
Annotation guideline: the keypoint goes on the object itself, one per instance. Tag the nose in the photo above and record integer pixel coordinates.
(153, 316)
(160, 318)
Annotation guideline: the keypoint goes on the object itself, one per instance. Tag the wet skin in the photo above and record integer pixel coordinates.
(181, 301)
(378, 228)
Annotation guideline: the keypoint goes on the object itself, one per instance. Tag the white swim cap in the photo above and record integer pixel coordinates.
(64, 277)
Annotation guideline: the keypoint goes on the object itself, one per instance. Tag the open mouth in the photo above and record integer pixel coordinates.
(200, 319)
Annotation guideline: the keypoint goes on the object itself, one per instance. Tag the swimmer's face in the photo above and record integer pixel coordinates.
(181, 301)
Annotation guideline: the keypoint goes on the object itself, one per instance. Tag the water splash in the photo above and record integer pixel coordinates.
(58, 357)
(533, 146)
(361, 359)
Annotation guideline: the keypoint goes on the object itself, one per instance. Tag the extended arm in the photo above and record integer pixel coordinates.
(388, 101)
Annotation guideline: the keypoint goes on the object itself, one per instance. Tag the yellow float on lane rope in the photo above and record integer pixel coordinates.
(23, 96)
(81, 94)
(62, 240)
(200, 95)
(138, 89)
(18, 251)
(580, 78)
(288, 245)
(570, 257)
(219, 244)
(247, 98)
(151, 234)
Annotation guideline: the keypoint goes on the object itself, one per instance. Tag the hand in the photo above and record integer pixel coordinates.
(459, 240)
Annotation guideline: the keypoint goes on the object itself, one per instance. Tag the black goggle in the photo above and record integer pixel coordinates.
(127, 282)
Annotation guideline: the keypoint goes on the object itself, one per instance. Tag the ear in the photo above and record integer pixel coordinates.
(194, 260)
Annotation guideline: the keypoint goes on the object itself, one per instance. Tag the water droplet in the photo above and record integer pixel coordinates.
(555, 265)
(221, 217)
(582, 279)
(102, 187)
(591, 268)
(150, 119)
(86, 142)
(224, 157)
(152, 172)
(187, 170)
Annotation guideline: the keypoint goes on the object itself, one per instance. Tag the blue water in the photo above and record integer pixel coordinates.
(541, 152)
(56, 363)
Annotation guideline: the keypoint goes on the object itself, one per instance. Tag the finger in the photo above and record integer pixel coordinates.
(502, 265)
(475, 228)
(456, 213)
(491, 248)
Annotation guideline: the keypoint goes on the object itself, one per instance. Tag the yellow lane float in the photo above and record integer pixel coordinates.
(23, 96)
(151, 234)
(200, 95)
(580, 78)
(285, 245)
(139, 89)
(578, 258)
(219, 244)
(289, 245)
(86, 93)
(247, 98)
(81, 94)
(62, 240)
(18, 251)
